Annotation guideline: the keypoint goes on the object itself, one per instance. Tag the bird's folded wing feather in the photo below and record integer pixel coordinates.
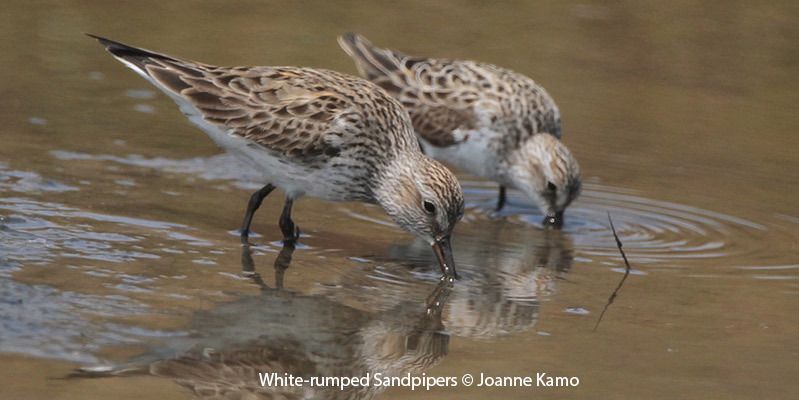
(287, 110)
(443, 96)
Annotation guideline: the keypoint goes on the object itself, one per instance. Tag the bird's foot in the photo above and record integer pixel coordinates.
(244, 236)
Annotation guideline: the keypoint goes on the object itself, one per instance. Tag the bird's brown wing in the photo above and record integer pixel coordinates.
(288, 110)
(443, 96)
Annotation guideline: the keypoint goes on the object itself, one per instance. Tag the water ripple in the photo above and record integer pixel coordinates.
(656, 233)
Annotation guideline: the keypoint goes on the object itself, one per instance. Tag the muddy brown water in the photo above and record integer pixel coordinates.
(117, 216)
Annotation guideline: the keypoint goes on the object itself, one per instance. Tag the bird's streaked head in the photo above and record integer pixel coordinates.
(546, 171)
(424, 198)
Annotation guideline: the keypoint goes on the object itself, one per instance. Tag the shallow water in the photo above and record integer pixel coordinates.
(118, 218)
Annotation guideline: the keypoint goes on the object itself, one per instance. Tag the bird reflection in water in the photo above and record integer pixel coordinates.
(281, 331)
(506, 273)
(512, 283)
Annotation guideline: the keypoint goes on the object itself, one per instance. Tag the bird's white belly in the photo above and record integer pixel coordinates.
(473, 154)
(295, 179)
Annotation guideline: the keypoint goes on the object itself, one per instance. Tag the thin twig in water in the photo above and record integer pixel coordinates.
(623, 278)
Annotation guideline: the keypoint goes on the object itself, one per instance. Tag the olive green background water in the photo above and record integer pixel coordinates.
(117, 216)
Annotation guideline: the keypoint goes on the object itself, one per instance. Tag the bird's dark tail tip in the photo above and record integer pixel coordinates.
(124, 51)
(349, 41)
(350, 37)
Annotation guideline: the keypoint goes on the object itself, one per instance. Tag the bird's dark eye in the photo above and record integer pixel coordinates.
(429, 207)
(551, 186)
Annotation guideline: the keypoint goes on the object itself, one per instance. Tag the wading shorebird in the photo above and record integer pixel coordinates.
(312, 132)
(489, 121)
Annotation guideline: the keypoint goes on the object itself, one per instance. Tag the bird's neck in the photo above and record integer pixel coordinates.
(397, 177)
(396, 185)
(521, 170)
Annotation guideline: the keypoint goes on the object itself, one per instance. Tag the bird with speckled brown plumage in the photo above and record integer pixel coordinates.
(312, 132)
(487, 120)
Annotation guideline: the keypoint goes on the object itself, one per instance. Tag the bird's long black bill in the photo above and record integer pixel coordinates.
(443, 251)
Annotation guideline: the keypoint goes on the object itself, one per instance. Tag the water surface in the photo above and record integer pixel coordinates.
(118, 218)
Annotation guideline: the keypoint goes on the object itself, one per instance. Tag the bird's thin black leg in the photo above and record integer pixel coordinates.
(255, 201)
(501, 200)
(290, 231)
